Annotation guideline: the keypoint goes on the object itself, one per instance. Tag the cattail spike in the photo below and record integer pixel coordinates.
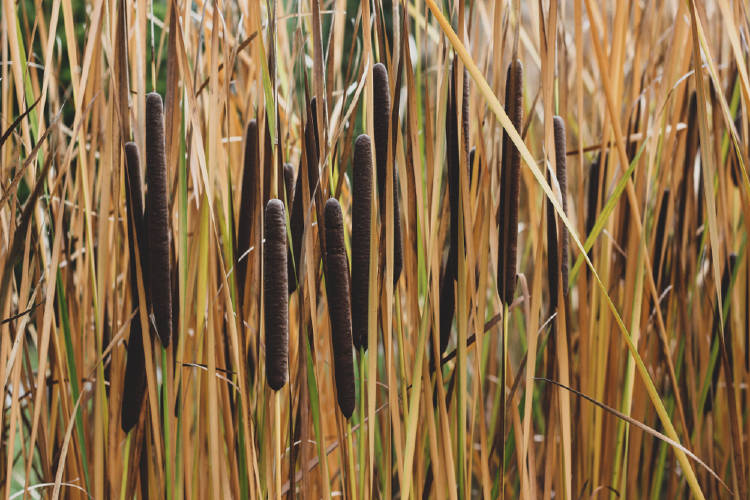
(510, 178)
(157, 219)
(134, 383)
(562, 179)
(381, 118)
(553, 274)
(276, 299)
(361, 218)
(337, 281)
(248, 201)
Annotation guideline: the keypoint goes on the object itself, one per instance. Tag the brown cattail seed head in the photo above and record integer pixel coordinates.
(381, 119)
(276, 297)
(337, 281)
(248, 200)
(157, 219)
(134, 193)
(134, 383)
(562, 178)
(510, 185)
(552, 253)
(361, 218)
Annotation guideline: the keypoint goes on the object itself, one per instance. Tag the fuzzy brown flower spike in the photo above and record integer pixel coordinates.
(157, 219)
(510, 177)
(337, 281)
(134, 384)
(381, 118)
(248, 200)
(361, 218)
(276, 296)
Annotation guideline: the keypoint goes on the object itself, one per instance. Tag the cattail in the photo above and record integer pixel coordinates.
(552, 253)
(134, 383)
(276, 298)
(447, 298)
(248, 201)
(510, 178)
(297, 221)
(289, 183)
(562, 179)
(337, 281)
(381, 118)
(361, 217)
(157, 219)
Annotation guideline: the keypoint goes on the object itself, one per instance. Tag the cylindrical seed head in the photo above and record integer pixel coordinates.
(562, 179)
(510, 185)
(276, 305)
(157, 219)
(337, 280)
(361, 218)
(248, 200)
(381, 120)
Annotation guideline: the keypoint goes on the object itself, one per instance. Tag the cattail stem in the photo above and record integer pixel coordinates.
(277, 442)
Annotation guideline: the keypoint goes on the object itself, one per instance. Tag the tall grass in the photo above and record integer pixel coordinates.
(547, 296)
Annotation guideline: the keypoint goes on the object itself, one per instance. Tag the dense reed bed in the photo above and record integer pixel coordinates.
(374, 249)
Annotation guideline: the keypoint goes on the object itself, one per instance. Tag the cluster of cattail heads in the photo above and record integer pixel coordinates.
(510, 176)
(149, 239)
(276, 296)
(337, 286)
